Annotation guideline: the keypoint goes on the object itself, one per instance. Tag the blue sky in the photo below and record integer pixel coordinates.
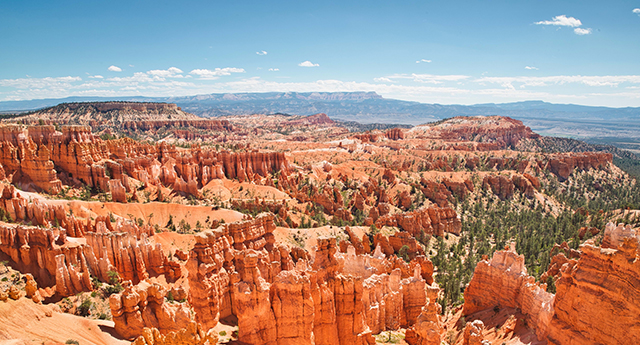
(453, 52)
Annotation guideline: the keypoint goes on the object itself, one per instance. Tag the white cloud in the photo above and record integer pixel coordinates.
(262, 52)
(636, 11)
(274, 69)
(581, 31)
(171, 72)
(211, 75)
(113, 68)
(97, 76)
(383, 79)
(530, 67)
(562, 20)
(423, 60)
(308, 64)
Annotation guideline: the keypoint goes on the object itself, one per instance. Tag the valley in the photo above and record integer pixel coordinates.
(154, 225)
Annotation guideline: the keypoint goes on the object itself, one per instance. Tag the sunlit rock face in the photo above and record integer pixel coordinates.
(595, 300)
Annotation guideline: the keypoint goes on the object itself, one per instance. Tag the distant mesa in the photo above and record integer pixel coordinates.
(102, 115)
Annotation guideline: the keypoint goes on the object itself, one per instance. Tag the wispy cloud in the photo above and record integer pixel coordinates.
(581, 31)
(113, 68)
(562, 20)
(636, 11)
(262, 52)
(427, 78)
(531, 67)
(423, 60)
(607, 80)
(97, 76)
(274, 69)
(39, 83)
(216, 73)
(308, 64)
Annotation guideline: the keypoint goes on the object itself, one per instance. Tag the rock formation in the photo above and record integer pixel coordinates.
(341, 297)
(144, 306)
(53, 260)
(428, 327)
(595, 295)
(192, 334)
(504, 282)
(394, 134)
(31, 289)
(29, 156)
(503, 131)
(473, 334)
(563, 164)
(208, 124)
(431, 220)
(595, 302)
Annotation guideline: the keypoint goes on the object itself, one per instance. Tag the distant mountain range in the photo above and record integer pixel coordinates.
(567, 120)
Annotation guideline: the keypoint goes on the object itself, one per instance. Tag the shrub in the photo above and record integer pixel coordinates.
(113, 277)
(85, 308)
(72, 341)
(111, 289)
(403, 253)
